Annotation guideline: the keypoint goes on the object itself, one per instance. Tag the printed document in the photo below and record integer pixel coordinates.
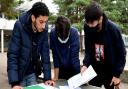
(81, 79)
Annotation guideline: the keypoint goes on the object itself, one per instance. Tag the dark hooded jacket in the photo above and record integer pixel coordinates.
(20, 49)
(114, 48)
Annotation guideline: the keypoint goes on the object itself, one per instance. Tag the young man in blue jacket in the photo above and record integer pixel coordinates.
(29, 43)
(64, 43)
(104, 48)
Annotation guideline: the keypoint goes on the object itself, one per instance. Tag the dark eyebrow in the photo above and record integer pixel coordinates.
(42, 21)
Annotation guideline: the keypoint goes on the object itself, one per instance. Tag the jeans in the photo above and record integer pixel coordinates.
(29, 80)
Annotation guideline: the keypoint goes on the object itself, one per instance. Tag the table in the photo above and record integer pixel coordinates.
(62, 82)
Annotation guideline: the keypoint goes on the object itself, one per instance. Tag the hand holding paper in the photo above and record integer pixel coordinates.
(79, 79)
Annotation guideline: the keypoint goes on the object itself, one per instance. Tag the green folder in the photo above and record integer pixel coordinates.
(34, 87)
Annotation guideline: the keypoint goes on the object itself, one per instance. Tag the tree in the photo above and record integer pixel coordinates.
(72, 8)
(7, 7)
(52, 18)
(117, 11)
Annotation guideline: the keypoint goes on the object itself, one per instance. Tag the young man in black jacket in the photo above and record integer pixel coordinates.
(104, 48)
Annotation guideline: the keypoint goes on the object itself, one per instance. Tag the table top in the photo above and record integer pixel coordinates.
(62, 82)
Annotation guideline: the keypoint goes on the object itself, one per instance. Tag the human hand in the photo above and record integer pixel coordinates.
(116, 82)
(17, 87)
(83, 69)
(50, 82)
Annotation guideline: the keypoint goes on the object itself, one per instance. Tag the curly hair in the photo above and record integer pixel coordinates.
(40, 8)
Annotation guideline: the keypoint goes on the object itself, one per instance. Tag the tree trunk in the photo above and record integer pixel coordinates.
(81, 42)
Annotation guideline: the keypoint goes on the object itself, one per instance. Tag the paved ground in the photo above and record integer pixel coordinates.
(3, 74)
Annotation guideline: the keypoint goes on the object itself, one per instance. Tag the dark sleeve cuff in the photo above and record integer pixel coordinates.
(116, 75)
(87, 65)
(47, 79)
(15, 83)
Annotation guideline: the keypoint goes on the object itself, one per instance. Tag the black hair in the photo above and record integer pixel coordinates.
(62, 26)
(93, 12)
(40, 8)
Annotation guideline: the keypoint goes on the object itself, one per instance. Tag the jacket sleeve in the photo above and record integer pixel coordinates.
(13, 54)
(120, 53)
(46, 65)
(87, 43)
(54, 53)
(74, 48)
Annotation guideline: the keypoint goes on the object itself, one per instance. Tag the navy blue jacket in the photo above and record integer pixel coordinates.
(66, 55)
(20, 49)
(115, 52)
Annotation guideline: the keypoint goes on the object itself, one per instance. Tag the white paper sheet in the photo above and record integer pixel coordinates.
(46, 86)
(79, 79)
(67, 87)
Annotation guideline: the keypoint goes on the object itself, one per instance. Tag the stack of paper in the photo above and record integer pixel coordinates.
(34, 87)
(39, 86)
(81, 79)
(67, 87)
